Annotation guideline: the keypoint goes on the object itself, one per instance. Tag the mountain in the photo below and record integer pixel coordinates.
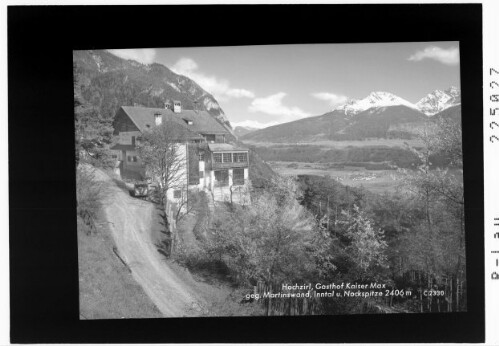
(431, 104)
(439, 100)
(375, 99)
(108, 82)
(397, 121)
(240, 131)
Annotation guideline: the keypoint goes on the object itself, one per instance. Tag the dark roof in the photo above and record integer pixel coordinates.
(202, 121)
(225, 147)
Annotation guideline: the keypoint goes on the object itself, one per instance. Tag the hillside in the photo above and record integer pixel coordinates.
(240, 131)
(109, 82)
(452, 113)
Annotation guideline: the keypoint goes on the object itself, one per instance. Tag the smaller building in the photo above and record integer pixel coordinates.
(226, 173)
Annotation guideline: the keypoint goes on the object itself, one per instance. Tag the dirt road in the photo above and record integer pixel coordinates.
(131, 222)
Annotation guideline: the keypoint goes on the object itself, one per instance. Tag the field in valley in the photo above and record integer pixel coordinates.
(378, 181)
(344, 144)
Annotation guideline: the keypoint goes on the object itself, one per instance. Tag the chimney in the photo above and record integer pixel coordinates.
(158, 119)
(177, 107)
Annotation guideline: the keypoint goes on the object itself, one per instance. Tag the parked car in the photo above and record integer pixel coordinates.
(141, 190)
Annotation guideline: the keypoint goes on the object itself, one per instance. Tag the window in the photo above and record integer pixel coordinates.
(238, 177)
(201, 157)
(135, 159)
(240, 157)
(222, 178)
(114, 156)
(132, 158)
(177, 193)
(227, 157)
(129, 158)
(217, 157)
(133, 140)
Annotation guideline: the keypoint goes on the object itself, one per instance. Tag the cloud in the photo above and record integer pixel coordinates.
(144, 56)
(333, 99)
(273, 105)
(448, 56)
(220, 88)
(253, 123)
(238, 93)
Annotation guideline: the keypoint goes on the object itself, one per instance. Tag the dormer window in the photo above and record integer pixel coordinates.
(158, 119)
(188, 122)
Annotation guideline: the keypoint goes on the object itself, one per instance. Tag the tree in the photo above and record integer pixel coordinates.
(93, 133)
(436, 246)
(163, 150)
(367, 245)
(267, 240)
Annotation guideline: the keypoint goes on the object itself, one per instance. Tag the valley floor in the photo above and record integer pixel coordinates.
(378, 181)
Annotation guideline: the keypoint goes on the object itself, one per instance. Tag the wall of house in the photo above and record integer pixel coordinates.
(116, 153)
(125, 137)
(129, 159)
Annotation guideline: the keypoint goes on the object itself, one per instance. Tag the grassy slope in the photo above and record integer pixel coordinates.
(107, 288)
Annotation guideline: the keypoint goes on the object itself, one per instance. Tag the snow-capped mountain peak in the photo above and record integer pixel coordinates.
(375, 99)
(439, 100)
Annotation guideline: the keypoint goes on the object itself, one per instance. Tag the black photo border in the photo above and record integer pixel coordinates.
(43, 242)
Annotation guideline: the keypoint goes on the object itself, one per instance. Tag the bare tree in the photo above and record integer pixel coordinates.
(163, 150)
(185, 205)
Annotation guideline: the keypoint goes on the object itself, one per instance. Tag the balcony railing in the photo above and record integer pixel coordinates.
(229, 165)
(221, 183)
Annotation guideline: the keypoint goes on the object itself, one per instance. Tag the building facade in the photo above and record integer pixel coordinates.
(209, 162)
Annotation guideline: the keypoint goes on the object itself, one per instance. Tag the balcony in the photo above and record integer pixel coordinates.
(225, 165)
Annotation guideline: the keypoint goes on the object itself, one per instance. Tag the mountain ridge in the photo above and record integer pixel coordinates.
(393, 122)
(434, 102)
(438, 100)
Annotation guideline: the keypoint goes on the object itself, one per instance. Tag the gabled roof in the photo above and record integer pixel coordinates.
(200, 122)
(225, 147)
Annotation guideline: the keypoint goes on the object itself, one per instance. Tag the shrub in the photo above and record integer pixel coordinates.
(88, 196)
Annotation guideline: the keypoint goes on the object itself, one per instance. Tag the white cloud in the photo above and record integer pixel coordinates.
(253, 123)
(448, 56)
(220, 88)
(144, 56)
(333, 99)
(273, 105)
(238, 93)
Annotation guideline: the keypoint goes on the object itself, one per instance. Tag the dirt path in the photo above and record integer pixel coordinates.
(131, 222)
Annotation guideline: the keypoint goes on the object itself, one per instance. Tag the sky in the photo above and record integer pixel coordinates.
(261, 86)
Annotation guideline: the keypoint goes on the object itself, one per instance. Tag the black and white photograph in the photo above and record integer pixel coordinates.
(270, 180)
(251, 173)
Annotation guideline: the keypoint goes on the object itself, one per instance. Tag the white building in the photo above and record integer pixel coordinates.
(211, 164)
